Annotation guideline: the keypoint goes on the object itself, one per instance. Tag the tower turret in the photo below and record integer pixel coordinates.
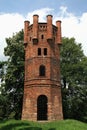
(35, 28)
(59, 39)
(26, 32)
(49, 27)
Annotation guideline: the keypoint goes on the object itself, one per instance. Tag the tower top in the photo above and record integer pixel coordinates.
(52, 31)
(49, 17)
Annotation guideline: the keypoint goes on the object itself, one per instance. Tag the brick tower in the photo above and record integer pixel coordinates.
(42, 88)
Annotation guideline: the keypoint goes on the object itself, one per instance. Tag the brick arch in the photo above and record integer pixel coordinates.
(42, 107)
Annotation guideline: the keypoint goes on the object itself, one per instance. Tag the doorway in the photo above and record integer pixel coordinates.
(42, 107)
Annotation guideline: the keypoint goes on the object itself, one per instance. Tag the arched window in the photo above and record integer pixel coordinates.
(42, 70)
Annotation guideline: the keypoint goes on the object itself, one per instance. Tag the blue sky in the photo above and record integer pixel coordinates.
(24, 6)
(72, 13)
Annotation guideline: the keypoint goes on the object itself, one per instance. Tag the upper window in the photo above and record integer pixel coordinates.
(45, 51)
(39, 51)
(42, 36)
(42, 70)
(30, 38)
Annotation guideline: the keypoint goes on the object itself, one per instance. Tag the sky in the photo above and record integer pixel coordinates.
(72, 13)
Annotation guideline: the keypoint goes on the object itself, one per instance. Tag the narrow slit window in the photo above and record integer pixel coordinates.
(39, 51)
(42, 70)
(30, 38)
(42, 36)
(45, 51)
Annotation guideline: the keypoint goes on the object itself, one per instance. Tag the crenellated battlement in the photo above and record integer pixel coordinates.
(36, 28)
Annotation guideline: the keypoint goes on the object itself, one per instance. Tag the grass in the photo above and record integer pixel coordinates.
(56, 125)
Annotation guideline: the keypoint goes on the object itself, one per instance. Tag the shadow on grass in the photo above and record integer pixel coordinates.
(34, 128)
(20, 126)
(30, 128)
(14, 126)
(52, 129)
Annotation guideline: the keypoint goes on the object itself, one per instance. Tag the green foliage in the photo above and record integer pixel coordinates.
(14, 77)
(73, 74)
(2, 69)
(74, 80)
(71, 56)
(3, 97)
(57, 125)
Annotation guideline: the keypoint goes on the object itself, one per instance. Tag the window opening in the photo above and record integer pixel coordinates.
(42, 70)
(30, 38)
(42, 36)
(39, 51)
(45, 51)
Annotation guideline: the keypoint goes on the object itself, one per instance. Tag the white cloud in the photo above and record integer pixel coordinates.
(42, 14)
(72, 26)
(9, 24)
(12, 23)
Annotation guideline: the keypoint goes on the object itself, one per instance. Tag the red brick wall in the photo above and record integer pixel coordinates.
(36, 85)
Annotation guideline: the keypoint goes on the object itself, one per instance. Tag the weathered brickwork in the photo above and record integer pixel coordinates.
(42, 87)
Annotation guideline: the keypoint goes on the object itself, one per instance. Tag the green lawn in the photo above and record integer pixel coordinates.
(56, 125)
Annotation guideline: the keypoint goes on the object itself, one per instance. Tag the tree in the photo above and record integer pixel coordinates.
(73, 75)
(14, 77)
(74, 79)
(3, 98)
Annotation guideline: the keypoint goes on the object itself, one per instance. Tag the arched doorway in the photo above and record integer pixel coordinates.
(42, 107)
